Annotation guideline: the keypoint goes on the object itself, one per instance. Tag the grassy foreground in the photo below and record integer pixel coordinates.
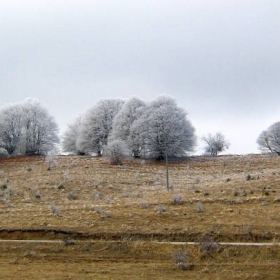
(115, 213)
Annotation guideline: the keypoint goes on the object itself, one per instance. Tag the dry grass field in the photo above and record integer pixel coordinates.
(113, 216)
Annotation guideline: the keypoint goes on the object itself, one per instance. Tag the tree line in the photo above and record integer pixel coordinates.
(114, 128)
(135, 128)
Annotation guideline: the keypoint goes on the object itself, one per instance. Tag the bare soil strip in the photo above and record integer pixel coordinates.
(153, 242)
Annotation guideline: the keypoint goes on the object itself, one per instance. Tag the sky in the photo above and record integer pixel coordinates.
(219, 59)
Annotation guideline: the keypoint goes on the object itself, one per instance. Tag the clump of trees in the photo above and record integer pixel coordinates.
(27, 128)
(156, 129)
(97, 126)
(269, 140)
(215, 144)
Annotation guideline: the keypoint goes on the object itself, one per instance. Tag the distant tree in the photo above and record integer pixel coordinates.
(70, 137)
(27, 128)
(116, 150)
(163, 129)
(97, 126)
(11, 124)
(129, 113)
(40, 131)
(215, 144)
(269, 140)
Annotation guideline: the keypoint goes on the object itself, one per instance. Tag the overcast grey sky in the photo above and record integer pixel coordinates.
(219, 59)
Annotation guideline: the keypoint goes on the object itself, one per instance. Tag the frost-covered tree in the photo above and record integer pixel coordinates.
(215, 144)
(11, 124)
(27, 128)
(70, 137)
(40, 131)
(129, 113)
(269, 140)
(97, 126)
(116, 150)
(163, 130)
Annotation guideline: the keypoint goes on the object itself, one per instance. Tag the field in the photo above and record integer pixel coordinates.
(117, 222)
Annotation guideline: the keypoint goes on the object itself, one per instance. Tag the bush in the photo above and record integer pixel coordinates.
(55, 210)
(177, 199)
(61, 186)
(160, 209)
(207, 244)
(3, 153)
(181, 258)
(116, 150)
(97, 196)
(72, 195)
(144, 204)
(199, 207)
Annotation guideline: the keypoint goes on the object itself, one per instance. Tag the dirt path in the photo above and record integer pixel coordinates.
(154, 242)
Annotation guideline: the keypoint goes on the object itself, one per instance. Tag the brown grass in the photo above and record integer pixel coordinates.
(120, 203)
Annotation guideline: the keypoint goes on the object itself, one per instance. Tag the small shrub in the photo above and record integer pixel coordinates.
(206, 193)
(55, 210)
(199, 207)
(181, 259)
(207, 244)
(180, 256)
(228, 180)
(144, 204)
(105, 214)
(7, 202)
(96, 183)
(4, 187)
(265, 192)
(29, 169)
(160, 209)
(3, 153)
(177, 199)
(97, 196)
(157, 180)
(249, 177)
(97, 209)
(235, 201)
(72, 195)
(68, 242)
(29, 254)
(38, 195)
(101, 213)
(61, 186)
(236, 193)
(67, 177)
(116, 150)
(51, 160)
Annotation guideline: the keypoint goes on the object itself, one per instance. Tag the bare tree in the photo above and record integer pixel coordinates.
(215, 144)
(269, 140)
